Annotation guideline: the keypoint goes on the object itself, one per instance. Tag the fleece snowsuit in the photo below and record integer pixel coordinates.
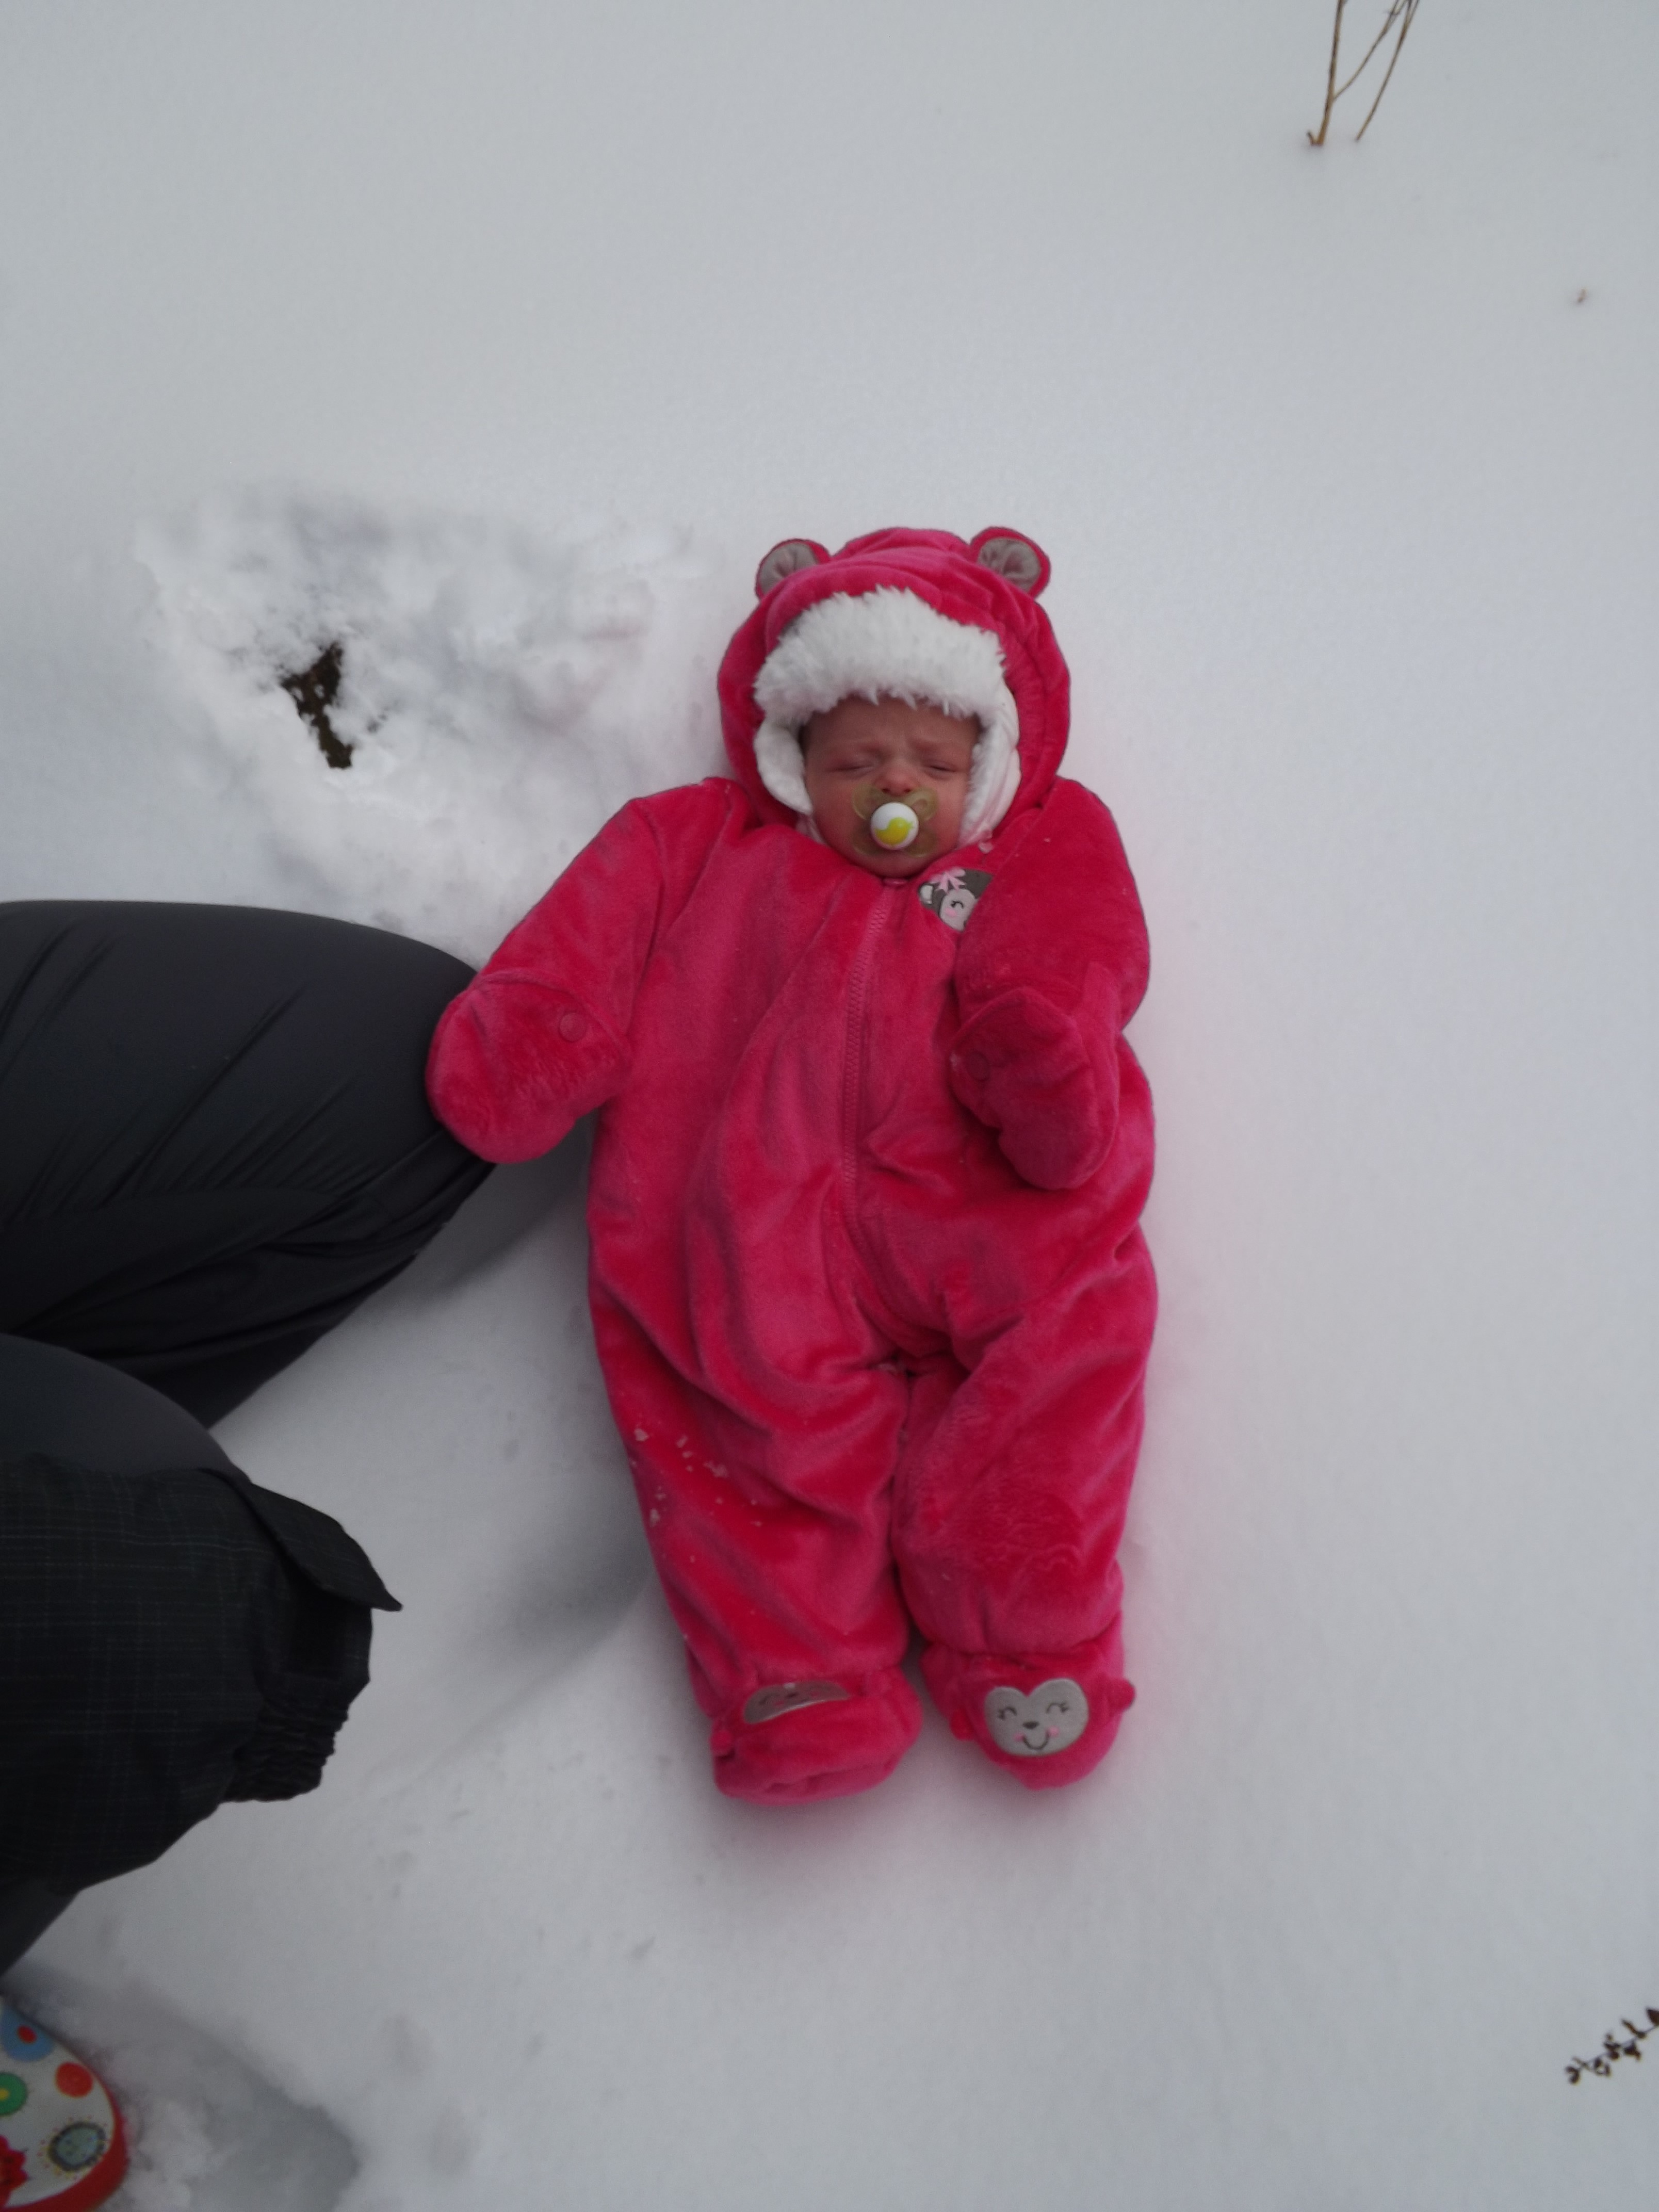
(868, 1289)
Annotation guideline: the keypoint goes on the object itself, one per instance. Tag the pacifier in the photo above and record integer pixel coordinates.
(896, 825)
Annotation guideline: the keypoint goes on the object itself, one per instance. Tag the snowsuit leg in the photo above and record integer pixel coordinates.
(767, 1516)
(1008, 1504)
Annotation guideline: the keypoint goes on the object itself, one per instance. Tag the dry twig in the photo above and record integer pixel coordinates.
(1403, 14)
(1613, 2049)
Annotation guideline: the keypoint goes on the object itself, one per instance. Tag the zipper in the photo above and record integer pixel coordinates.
(854, 1062)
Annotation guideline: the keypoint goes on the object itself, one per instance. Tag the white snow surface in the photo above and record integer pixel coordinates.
(502, 339)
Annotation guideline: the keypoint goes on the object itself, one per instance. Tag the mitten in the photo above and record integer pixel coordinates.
(1046, 1082)
(514, 1063)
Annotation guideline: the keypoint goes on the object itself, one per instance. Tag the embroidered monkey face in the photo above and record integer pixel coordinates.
(953, 895)
(865, 753)
(1034, 1723)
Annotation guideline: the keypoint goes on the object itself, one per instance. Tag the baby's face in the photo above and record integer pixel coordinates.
(869, 750)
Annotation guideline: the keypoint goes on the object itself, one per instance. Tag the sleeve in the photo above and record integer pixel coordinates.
(539, 1036)
(1053, 962)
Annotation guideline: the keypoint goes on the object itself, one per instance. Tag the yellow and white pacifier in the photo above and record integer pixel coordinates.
(895, 825)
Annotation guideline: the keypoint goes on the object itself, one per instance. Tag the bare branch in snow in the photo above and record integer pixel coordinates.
(1401, 14)
(1613, 2049)
(1318, 139)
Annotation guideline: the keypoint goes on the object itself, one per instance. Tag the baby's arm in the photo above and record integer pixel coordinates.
(1052, 964)
(540, 1035)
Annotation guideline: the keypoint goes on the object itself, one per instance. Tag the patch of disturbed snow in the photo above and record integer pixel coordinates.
(436, 711)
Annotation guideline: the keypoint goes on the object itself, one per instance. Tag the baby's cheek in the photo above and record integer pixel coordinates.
(838, 826)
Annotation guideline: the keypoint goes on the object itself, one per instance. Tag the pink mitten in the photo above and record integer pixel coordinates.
(515, 1062)
(1045, 1083)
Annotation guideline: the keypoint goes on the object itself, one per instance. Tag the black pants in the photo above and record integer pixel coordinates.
(213, 1144)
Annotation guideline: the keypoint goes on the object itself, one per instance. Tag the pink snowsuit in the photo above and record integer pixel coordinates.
(869, 1292)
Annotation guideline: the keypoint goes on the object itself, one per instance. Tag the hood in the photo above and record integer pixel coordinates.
(989, 584)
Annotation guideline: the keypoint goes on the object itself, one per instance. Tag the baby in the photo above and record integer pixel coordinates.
(868, 1289)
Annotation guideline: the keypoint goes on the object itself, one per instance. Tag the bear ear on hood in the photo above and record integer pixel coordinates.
(783, 560)
(1010, 555)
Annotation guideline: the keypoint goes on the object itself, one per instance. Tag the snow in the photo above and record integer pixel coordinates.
(500, 695)
(504, 339)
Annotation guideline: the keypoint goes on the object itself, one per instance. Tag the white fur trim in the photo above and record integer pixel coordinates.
(889, 643)
(778, 758)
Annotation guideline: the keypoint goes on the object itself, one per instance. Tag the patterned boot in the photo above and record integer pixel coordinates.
(61, 2143)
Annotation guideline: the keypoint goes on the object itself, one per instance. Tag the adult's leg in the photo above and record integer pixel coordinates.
(214, 1143)
(214, 1136)
(170, 1634)
(27, 1909)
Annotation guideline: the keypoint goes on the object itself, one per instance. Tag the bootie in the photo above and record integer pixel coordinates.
(794, 1741)
(1049, 1717)
(61, 2142)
